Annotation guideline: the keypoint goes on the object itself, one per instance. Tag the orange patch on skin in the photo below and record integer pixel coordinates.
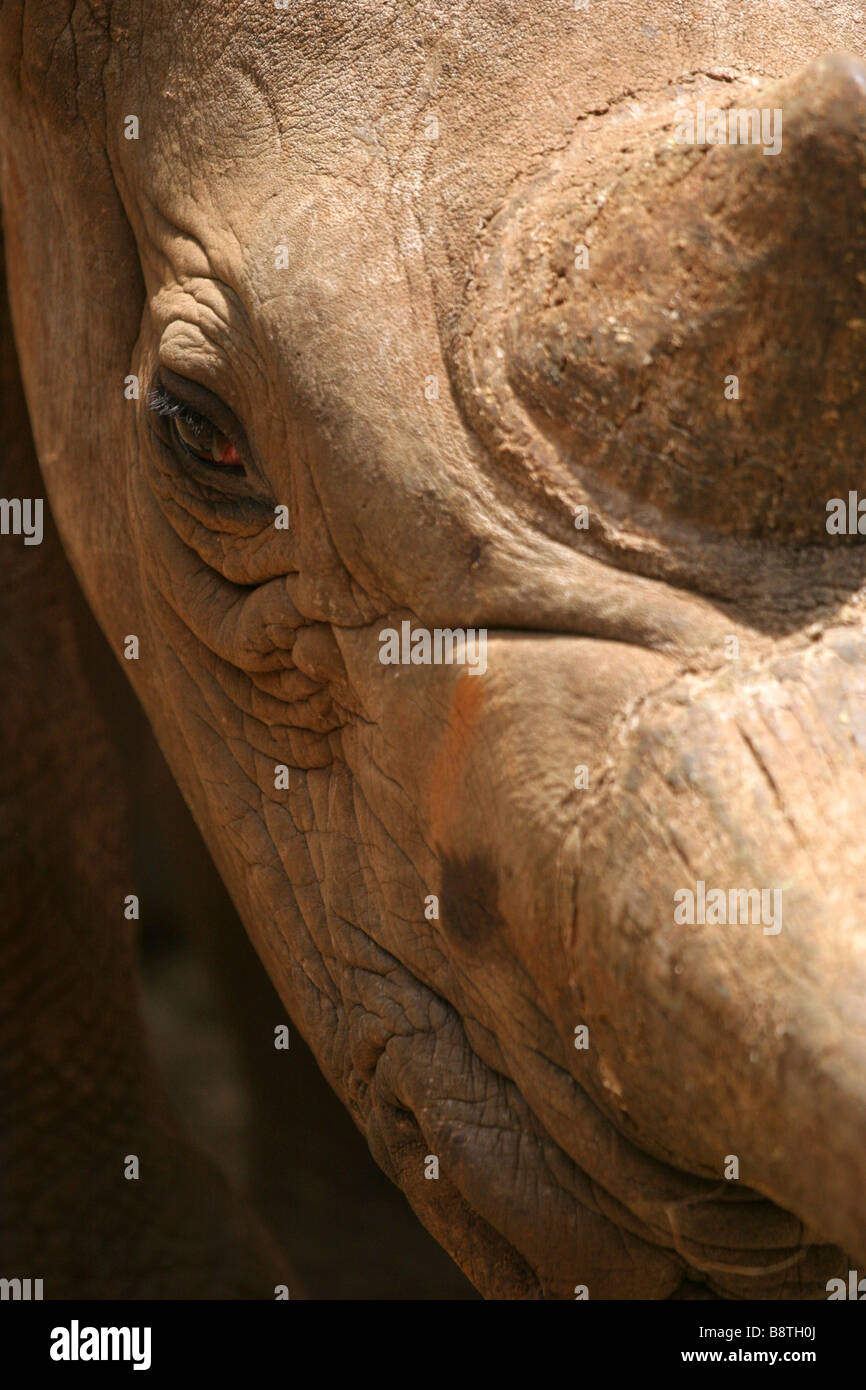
(466, 709)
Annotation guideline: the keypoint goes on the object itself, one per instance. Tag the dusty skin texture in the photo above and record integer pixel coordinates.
(409, 257)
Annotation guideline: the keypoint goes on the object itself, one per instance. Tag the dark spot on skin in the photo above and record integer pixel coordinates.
(469, 900)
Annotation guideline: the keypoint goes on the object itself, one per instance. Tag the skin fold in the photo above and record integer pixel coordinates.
(354, 225)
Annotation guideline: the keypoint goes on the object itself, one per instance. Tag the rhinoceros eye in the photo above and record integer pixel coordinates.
(191, 433)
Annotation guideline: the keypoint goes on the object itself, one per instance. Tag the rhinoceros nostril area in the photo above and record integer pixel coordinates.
(468, 900)
(702, 357)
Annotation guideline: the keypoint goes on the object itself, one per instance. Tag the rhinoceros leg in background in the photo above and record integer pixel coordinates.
(78, 1093)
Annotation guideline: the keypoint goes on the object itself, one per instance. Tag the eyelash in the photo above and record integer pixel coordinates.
(162, 402)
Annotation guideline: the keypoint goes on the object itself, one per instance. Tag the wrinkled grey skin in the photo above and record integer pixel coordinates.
(409, 257)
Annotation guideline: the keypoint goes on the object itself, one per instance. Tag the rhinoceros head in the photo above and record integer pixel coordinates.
(456, 437)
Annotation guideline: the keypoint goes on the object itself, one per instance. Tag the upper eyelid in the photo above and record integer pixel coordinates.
(162, 402)
(198, 400)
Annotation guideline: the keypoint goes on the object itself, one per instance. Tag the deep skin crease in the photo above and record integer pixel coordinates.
(285, 235)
